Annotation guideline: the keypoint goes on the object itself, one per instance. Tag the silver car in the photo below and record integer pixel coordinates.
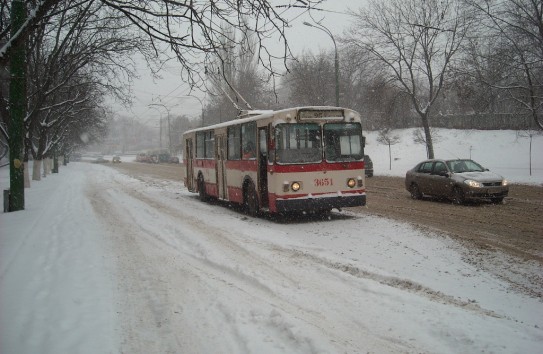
(457, 180)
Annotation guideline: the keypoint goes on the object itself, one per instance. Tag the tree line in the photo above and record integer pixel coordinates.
(75, 53)
(471, 64)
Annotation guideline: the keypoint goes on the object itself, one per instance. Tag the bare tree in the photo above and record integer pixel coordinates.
(75, 60)
(416, 41)
(191, 30)
(510, 42)
(311, 80)
(385, 137)
(420, 138)
(236, 81)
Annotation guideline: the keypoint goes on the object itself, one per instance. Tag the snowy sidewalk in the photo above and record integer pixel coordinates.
(56, 291)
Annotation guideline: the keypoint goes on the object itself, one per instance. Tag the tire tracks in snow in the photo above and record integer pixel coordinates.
(237, 268)
(395, 282)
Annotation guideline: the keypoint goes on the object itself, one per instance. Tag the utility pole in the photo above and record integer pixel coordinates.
(17, 109)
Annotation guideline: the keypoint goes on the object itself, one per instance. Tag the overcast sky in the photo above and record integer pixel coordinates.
(300, 38)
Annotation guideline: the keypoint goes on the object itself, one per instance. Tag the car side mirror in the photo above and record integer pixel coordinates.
(444, 174)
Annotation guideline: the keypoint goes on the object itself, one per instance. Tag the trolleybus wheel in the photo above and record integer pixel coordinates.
(251, 200)
(202, 189)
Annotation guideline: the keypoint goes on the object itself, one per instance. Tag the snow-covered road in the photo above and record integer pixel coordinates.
(183, 276)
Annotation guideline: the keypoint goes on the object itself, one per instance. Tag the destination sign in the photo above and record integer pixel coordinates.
(321, 114)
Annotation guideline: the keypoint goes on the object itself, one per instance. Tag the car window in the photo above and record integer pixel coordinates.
(460, 166)
(439, 167)
(426, 167)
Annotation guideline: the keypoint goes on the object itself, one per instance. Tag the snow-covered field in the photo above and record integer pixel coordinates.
(100, 262)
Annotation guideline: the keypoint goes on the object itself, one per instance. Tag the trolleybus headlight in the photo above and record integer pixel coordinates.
(504, 182)
(295, 186)
(351, 182)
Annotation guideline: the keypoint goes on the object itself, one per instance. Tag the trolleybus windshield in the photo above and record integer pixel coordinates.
(298, 143)
(343, 142)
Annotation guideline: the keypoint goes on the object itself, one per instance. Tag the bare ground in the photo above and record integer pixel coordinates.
(514, 227)
(495, 237)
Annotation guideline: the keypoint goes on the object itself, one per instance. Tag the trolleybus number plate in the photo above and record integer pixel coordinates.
(322, 182)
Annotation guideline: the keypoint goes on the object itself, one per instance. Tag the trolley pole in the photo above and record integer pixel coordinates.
(17, 104)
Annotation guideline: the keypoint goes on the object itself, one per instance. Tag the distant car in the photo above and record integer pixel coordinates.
(142, 157)
(457, 180)
(174, 159)
(100, 159)
(368, 163)
(116, 159)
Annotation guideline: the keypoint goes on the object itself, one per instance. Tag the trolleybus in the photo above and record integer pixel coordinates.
(298, 159)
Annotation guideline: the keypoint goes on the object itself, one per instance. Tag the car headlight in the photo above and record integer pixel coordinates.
(505, 183)
(351, 182)
(473, 183)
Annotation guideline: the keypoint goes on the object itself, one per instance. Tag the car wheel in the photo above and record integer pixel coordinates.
(415, 191)
(202, 189)
(497, 200)
(458, 196)
(251, 200)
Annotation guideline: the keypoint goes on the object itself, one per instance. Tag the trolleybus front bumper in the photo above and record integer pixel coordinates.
(316, 204)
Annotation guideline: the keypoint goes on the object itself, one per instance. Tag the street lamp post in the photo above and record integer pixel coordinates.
(160, 126)
(201, 103)
(169, 127)
(336, 60)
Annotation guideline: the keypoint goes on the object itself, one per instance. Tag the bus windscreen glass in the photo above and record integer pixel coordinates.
(298, 143)
(343, 142)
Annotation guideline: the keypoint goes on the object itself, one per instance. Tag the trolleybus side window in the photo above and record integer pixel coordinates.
(298, 143)
(209, 145)
(343, 142)
(200, 145)
(248, 140)
(205, 145)
(234, 140)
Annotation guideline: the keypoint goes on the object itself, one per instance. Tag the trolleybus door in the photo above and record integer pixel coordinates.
(189, 159)
(221, 165)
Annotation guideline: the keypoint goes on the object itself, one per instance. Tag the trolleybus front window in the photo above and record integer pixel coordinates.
(298, 143)
(343, 142)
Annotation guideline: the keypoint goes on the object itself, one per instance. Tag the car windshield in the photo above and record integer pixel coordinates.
(298, 143)
(460, 166)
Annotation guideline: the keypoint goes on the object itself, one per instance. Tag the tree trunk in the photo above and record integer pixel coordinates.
(427, 135)
(26, 173)
(36, 176)
(46, 166)
(389, 157)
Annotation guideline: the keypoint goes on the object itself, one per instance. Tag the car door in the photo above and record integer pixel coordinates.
(438, 180)
(423, 178)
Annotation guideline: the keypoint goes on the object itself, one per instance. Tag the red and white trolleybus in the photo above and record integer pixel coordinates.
(298, 159)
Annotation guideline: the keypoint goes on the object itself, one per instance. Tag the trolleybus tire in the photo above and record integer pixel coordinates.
(251, 200)
(202, 189)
